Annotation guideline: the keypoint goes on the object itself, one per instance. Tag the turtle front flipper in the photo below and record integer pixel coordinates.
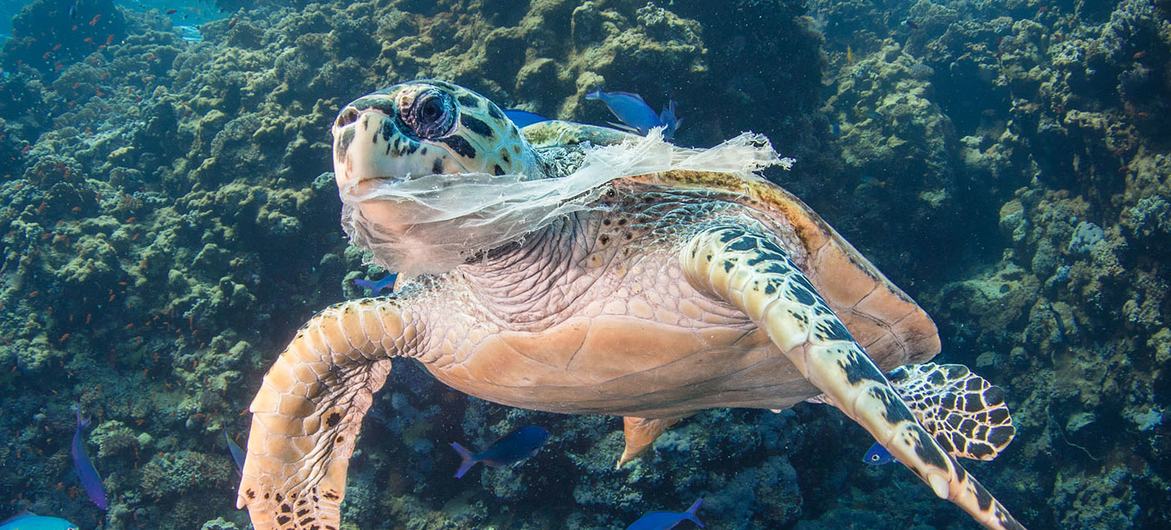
(746, 268)
(309, 409)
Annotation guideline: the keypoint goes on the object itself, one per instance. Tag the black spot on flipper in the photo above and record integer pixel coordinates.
(729, 234)
(973, 405)
(494, 111)
(497, 170)
(283, 519)
(333, 419)
(476, 126)
(957, 371)
(770, 288)
(461, 146)
(895, 411)
(804, 282)
(983, 498)
(967, 427)
(835, 330)
(994, 396)
(1001, 435)
(437, 166)
(935, 378)
(727, 265)
(469, 101)
(771, 247)
(742, 245)
(777, 267)
(998, 416)
(802, 295)
(857, 368)
(960, 472)
(944, 442)
(925, 448)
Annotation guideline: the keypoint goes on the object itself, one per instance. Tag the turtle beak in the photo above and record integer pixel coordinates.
(362, 146)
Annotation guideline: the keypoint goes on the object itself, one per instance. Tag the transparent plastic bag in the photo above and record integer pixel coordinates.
(431, 224)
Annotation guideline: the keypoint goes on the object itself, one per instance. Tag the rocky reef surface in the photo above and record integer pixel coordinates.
(167, 224)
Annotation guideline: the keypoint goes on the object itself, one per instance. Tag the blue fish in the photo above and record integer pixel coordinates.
(665, 520)
(190, 33)
(513, 448)
(90, 481)
(32, 521)
(237, 454)
(878, 455)
(636, 116)
(523, 118)
(377, 287)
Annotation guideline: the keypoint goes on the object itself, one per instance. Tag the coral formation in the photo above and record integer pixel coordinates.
(167, 224)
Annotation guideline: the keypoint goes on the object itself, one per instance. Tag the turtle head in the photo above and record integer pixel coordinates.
(423, 128)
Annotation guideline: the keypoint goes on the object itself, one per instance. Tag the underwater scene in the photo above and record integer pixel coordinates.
(602, 264)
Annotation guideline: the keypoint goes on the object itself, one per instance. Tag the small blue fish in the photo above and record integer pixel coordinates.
(523, 118)
(237, 454)
(636, 116)
(878, 455)
(90, 481)
(190, 33)
(835, 128)
(32, 521)
(665, 520)
(377, 287)
(513, 448)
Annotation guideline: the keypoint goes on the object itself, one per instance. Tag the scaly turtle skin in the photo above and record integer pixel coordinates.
(687, 291)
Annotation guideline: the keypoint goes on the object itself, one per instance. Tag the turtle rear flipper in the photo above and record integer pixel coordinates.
(964, 412)
(742, 265)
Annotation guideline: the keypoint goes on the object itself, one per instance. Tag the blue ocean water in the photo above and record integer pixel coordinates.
(170, 234)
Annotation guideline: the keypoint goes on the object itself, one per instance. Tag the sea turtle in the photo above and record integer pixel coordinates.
(678, 291)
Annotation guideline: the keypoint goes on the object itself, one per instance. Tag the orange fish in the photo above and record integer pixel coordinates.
(94, 21)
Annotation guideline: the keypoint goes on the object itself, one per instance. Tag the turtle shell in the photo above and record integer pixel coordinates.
(892, 328)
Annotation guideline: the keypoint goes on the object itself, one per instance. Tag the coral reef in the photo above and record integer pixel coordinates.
(168, 223)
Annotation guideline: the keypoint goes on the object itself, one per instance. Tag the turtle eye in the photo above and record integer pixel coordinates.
(430, 115)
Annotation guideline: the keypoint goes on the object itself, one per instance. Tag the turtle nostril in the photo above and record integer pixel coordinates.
(347, 116)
